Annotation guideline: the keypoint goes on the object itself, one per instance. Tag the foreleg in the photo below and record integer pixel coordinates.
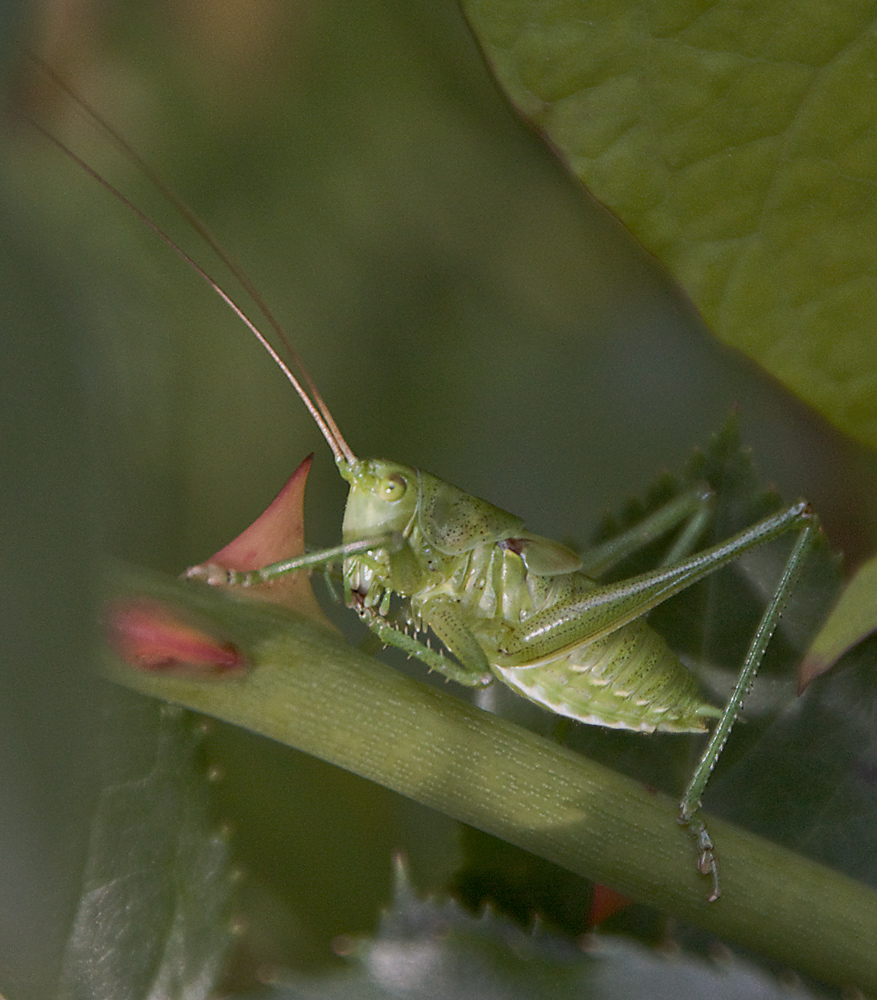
(219, 575)
(470, 667)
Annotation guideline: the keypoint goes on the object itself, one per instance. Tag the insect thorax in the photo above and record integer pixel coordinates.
(490, 581)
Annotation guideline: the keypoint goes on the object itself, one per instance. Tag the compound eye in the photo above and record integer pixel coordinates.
(393, 488)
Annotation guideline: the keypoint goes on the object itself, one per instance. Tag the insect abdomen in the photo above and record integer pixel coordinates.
(629, 679)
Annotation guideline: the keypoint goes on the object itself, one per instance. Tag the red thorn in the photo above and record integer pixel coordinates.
(276, 535)
(604, 903)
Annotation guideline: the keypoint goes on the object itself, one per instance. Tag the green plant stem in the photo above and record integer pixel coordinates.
(308, 689)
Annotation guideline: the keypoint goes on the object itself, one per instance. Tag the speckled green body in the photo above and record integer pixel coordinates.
(509, 605)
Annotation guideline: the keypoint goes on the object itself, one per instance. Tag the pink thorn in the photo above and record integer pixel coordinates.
(276, 535)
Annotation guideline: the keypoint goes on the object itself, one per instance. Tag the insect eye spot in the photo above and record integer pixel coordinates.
(394, 487)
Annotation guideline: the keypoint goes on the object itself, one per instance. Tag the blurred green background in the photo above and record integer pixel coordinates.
(463, 305)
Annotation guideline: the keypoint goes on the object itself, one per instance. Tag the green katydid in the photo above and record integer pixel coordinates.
(515, 607)
(511, 606)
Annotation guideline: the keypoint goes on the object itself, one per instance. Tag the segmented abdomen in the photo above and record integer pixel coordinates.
(629, 679)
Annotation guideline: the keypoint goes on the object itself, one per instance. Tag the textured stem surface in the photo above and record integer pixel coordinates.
(310, 690)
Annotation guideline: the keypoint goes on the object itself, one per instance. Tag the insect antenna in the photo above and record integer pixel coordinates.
(311, 396)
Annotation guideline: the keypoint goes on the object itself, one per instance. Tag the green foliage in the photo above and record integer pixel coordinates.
(737, 142)
(854, 618)
(825, 744)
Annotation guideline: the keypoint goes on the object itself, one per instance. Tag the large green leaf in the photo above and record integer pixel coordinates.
(737, 141)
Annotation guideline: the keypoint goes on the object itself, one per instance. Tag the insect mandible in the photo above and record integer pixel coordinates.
(419, 555)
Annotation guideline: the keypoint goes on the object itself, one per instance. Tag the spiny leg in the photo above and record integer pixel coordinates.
(690, 804)
(605, 608)
(393, 635)
(598, 612)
